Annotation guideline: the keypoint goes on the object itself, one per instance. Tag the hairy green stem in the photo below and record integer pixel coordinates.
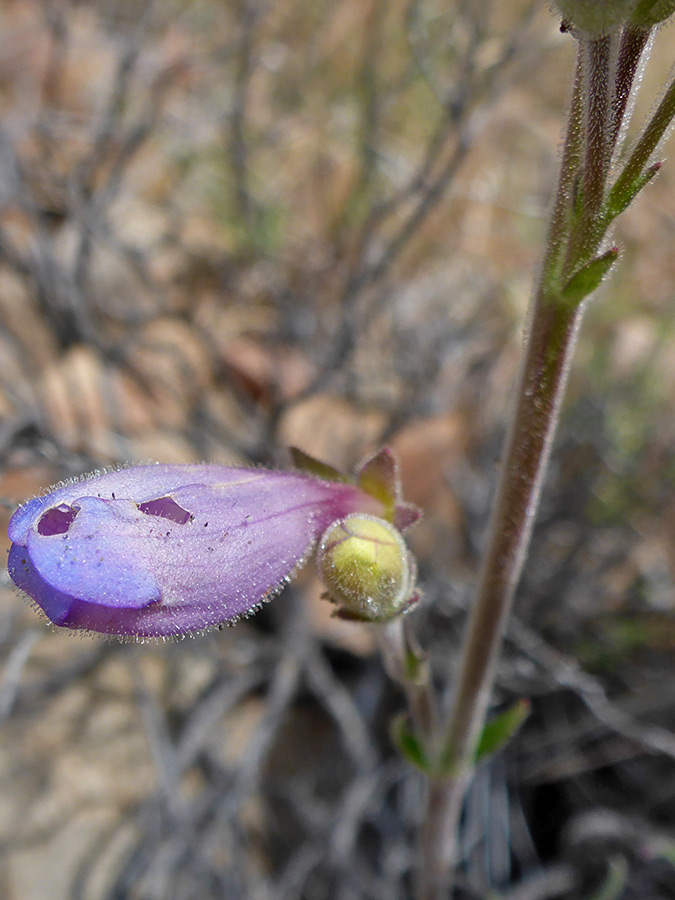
(649, 140)
(401, 655)
(634, 40)
(564, 199)
(597, 59)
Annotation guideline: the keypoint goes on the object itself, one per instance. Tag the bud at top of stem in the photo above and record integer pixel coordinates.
(648, 13)
(595, 18)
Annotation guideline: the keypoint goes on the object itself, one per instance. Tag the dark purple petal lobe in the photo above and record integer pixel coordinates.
(99, 559)
(165, 508)
(57, 520)
(55, 604)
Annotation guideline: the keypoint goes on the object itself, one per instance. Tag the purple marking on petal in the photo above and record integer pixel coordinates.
(165, 508)
(56, 520)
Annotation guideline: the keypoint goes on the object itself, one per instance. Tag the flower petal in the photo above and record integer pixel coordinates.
(168, 550)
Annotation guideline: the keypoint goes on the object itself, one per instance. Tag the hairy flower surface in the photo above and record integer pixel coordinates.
(164, 550)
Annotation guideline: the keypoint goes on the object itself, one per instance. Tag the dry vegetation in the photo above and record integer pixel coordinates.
(227, 226)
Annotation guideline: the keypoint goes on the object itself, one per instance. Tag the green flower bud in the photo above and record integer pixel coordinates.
(595, 17)
(366, 568)
(648, 13)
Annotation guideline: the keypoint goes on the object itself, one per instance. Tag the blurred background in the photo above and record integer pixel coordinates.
(231, 226)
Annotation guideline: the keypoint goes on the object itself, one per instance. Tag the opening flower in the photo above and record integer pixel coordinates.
(165, 550)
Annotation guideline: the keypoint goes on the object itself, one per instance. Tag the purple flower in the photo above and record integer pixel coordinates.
(165, 550)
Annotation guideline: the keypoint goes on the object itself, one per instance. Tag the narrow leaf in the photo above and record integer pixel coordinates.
(409, 745)
(588, 278)
(621, 195)
(379, 477)
(498, 731)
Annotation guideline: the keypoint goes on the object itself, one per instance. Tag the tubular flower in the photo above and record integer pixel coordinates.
(167, 550)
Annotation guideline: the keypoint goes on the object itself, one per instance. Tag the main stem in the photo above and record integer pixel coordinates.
(606, 69)
(550, 344)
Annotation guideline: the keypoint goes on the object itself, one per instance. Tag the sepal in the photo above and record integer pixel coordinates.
(312, 466)
(379, 476)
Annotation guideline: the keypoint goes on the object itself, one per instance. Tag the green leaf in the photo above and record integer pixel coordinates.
(588, 278)
(307, 463)
(498, 731)
(621, 195)
(409, 745)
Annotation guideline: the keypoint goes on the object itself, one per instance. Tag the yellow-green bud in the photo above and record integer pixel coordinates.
(595, 17)
(648, 13)
(366, 568)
